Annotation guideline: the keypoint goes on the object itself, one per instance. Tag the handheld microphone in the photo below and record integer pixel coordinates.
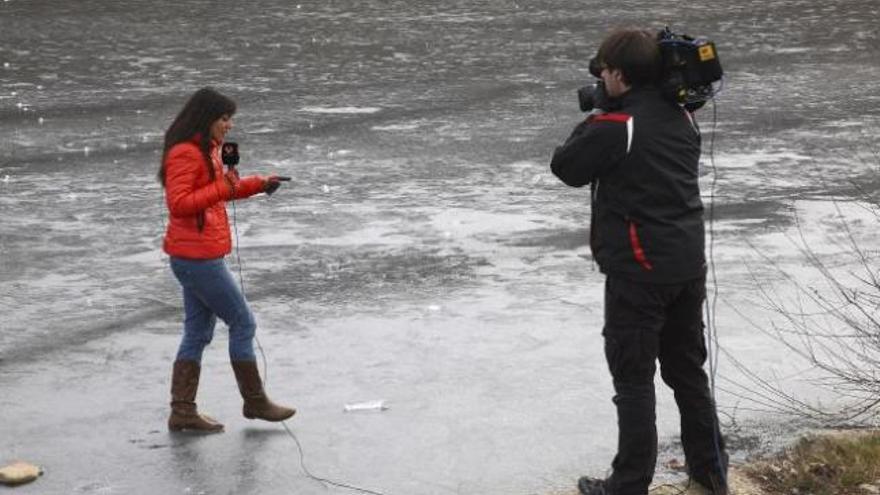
(229, 154)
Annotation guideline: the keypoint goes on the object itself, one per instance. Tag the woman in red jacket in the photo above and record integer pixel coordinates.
(197, 238)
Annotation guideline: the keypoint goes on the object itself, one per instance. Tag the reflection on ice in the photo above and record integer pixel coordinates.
(341, 110)
(395, 127)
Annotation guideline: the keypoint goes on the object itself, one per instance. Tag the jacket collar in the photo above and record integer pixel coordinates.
(638, 93)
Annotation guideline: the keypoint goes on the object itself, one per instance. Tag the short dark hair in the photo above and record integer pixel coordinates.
(202, 109)
(635, 52)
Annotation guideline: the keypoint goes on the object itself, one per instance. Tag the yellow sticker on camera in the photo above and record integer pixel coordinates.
(706, 53)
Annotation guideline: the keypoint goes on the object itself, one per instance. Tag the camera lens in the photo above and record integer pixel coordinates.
(585, 98)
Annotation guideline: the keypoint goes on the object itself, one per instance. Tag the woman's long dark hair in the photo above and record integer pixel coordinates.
(204, 107)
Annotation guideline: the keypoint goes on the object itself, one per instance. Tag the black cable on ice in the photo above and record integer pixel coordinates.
(712, 346)
(302, 455)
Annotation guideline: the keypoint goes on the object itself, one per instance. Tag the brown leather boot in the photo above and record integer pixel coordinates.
(256, 404)
(184, 415)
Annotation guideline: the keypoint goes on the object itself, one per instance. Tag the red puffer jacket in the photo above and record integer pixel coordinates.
(198, 227)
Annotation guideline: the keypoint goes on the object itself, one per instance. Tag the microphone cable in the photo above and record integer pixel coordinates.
(290, 432)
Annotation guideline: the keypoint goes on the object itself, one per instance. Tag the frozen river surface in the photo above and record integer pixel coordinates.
(423, 254)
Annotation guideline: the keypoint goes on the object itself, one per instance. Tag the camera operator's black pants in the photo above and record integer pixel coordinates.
(644, 323)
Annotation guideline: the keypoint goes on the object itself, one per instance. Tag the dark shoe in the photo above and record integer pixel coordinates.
(184, 414)
(591, 486)
(256, 404)
(714, 483)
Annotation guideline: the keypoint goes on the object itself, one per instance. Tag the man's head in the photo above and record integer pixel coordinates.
(629, 58)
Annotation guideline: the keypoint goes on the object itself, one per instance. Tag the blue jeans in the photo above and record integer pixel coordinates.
(209, 291)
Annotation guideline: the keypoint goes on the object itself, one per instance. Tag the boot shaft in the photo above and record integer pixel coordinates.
(185, 381)
(247, 375)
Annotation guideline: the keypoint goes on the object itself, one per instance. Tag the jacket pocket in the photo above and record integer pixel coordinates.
(636, 245)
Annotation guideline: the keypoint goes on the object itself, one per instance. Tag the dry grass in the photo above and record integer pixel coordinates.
(843, 463)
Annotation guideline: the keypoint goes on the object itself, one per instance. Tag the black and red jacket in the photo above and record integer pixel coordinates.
(642, 161)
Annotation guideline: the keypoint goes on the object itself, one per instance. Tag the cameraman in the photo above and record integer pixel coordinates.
(640, 152)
